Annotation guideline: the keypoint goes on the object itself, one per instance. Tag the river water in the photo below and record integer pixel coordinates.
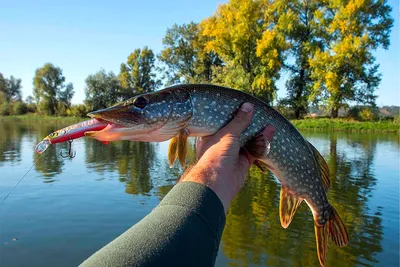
(66, 209)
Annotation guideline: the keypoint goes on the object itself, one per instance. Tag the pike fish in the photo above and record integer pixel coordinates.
(197, 110)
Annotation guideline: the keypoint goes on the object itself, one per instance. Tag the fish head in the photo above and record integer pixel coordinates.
(135, 118)
(148, 110)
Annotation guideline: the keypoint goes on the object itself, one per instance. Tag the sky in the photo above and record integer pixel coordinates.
(82, 37)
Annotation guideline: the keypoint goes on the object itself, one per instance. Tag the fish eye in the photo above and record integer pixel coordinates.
(140, 102)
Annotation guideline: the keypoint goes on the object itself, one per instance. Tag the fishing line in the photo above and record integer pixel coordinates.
(20, 180)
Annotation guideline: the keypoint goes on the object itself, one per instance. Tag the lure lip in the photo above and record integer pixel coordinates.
(42, 146)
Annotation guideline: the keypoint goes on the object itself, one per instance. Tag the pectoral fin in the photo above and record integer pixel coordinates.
(259, 146)
(178, 149)
(182, 148)
(262, 166)
(288, 206)
(173, 144)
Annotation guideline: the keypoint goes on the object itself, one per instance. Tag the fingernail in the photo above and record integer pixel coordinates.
(246, 107)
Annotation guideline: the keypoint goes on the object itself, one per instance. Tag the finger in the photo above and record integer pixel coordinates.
(240, 122)
(269, 132)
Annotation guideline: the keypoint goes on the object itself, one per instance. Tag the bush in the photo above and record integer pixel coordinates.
(19, 108)
(79, 110)
(366, 115)
(32, 108)
(4, 109)
(354, 113)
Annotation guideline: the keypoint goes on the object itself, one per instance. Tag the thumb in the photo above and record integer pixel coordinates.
(240, 122)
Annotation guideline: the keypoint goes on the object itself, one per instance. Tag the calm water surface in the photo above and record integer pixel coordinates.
(66, 209)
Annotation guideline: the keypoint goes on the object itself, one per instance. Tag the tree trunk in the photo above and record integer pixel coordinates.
(334, 112)
(297, 113)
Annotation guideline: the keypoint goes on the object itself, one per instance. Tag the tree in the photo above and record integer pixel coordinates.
(185, 57)
(234, 34)
(293, 27)
(31, 105)
(344, 68)
(51, 93)
(137, 76)
(102, 90)
(10, 88)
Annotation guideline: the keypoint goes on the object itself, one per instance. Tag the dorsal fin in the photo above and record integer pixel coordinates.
(323, 168)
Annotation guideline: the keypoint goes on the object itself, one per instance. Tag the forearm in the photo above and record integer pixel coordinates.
(183, 230)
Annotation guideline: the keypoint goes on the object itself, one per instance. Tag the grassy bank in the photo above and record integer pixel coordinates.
(347, 125)
(305, 124)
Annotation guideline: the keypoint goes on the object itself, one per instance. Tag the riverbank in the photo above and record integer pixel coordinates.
(323, 124)
(43, 118)
(347, 125)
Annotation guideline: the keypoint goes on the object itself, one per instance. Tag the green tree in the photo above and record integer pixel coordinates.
(344, 68)
(294, 27)
(102, 90)
(234, 34)
(51, 93)
(185, 57)
(137, 75)
(31, 105)
(10, 88)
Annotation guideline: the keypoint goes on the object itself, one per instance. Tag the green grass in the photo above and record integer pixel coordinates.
(347, 125)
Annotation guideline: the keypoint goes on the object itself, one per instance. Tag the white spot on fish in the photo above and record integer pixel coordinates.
(213, 103)
(221, 121)
(206, 107)
(204, 98)
(223, 113)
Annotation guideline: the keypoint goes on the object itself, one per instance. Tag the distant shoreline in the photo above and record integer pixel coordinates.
(347, 125)
(317, 124)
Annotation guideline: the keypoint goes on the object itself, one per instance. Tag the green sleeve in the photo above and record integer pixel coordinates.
(183, 230)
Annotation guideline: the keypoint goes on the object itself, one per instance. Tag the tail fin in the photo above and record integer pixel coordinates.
(335, 229)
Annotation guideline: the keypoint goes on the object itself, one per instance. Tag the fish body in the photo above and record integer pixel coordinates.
(201, 110)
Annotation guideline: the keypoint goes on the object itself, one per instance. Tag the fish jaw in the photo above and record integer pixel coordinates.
(115, 132)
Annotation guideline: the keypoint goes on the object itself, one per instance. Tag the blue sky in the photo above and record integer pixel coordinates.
(82, 37)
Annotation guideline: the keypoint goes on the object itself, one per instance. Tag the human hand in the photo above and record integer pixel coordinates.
(222, 165)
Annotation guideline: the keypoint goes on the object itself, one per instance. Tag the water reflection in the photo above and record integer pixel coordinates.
(253, 234)
(132, 161)
(11, 140)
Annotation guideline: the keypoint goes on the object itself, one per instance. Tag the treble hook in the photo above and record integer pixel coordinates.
(71, 154)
